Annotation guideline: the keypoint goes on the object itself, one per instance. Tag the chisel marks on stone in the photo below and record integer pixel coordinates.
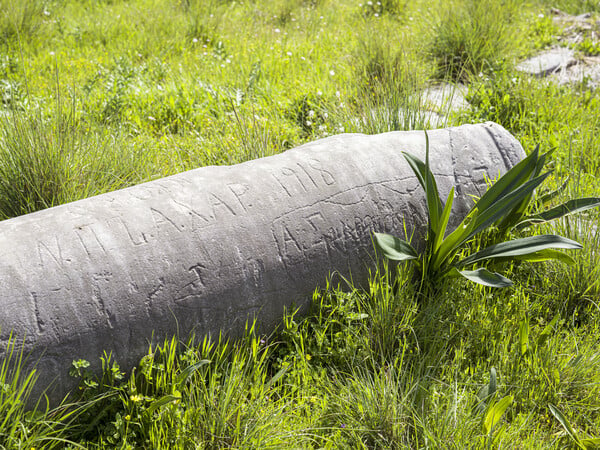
(136, 239)
(98, 296)
(161, 219)
(41, 325)
(50, 253)
(89, 240)
(153, 294)
(239, 190)
(326, 176)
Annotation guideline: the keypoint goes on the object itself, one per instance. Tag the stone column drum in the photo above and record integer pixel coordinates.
(208, 249)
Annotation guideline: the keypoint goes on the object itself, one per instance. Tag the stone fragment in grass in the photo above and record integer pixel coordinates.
(439, 101)
(586, 71)
(207, 250)
(548, 62)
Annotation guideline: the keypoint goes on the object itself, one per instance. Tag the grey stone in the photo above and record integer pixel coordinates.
(548, 62)
(563, 17)
(441, 100)
(446, 97)
(586, 71)
(206, 250)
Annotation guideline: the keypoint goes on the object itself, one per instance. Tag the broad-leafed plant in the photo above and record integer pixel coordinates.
(505, 206)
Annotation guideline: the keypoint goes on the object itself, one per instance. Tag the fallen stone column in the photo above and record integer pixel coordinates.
(205, 250)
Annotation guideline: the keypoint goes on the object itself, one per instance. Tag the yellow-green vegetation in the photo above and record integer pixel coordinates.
(100, 94)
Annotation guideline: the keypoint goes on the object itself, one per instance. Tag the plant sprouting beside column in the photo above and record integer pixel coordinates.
(504, 207)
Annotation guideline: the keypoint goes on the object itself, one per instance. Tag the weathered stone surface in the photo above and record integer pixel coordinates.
(561, 65)
(587, 71)
(205, 250)
(441, 100)
(548, 62)
(446, 97)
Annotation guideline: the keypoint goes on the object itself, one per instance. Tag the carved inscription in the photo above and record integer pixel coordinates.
(89, 240)
(99, 284)
(240, 190)
(219, 206)
(154, 293)
(41, 325)
(325, 175)
(300, 237)
(196, 280)
(303, 177)
(253, 270)
(163, 223)
(308, 233)
(136, 237)
(198, 270)
(42, 305)
(173, 216)
(196, 219)
(50, 253)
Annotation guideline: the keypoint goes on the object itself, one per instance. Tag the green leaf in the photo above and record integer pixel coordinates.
(520, 247)
(186, 373)
(505, 205)
(510, 181)
(545, 334)
(444, 221)
(540, 163)
(557, 413)
(524, 336)
(453, 273)
(425, 177)
(456, 238)
(547, 198)
(541, 256)
(487, 392)
(590, 443)
(281, 372)
(546, 255)
(165, 400)
(486, 278)
(517, 213)
(427, 180)
(489, 389)
(495, 413)
(395, 248)
(433, 197)
(571, 207)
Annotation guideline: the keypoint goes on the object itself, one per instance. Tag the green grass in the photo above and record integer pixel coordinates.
(98, 95)
(472, 37)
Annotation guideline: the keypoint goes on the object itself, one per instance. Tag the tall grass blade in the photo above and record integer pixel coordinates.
(524, 336)
(557, 413)
(590, 443)
(280, 373)
(547, 331)
(550, 196)
(487, 391)
(164, 400)
(186, 373)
